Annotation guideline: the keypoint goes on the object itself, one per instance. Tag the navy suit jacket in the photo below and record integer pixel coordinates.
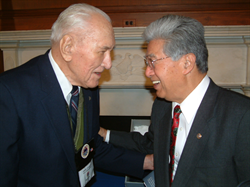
(36, 144)
(221, 157)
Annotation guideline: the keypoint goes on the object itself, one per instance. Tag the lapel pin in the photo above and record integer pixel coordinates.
(199, 136)
(89, 98)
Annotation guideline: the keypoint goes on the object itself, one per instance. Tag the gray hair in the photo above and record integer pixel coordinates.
(75, 16)
(183, 35)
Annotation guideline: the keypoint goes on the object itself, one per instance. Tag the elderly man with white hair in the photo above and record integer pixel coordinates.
(49, 109)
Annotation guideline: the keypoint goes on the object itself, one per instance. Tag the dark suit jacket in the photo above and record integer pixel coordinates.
(36, 145)
(220, 158)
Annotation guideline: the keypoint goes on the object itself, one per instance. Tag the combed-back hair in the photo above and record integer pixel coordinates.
(182, 35)
(74, 17)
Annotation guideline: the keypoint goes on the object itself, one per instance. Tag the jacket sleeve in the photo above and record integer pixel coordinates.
(134, 140)
(118, 159)
(9, 136)
(242, 148)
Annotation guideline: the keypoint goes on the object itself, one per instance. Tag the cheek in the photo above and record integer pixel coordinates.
(161, 73)
(167, 78)
(87, 65)
(95, 61)
(90, 71)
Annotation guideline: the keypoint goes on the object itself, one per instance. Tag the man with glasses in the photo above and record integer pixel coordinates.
(199, 132)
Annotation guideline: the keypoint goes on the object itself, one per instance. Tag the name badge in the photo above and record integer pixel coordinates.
(84, 163)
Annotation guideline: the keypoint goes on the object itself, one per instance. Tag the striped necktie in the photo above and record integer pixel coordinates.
(73, 108)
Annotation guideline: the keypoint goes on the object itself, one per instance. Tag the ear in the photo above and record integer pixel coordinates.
(188, 63)
(66, 47)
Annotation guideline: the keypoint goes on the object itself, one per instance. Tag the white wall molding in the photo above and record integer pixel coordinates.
(125, 88)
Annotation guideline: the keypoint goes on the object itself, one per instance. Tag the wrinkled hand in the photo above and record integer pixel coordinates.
(149, 162)
(103, 132)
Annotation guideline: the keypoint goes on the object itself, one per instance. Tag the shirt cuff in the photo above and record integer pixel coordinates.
(107, 136)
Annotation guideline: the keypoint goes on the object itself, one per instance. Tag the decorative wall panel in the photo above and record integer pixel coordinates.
(125, 90)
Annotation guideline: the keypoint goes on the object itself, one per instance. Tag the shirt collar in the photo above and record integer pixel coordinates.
(64, 83)
(192, 102)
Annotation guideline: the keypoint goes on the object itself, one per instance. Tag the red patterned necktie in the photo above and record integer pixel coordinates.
(177, 112)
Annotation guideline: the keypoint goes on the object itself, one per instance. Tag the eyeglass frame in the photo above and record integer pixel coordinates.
(151, 64)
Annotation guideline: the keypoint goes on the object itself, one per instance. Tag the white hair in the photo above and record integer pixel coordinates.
(183, 35)
(75, 16)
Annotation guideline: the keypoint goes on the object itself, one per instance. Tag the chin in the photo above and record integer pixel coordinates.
(92, 85)
(160, 95)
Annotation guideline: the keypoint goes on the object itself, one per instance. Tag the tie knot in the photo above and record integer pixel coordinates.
(177, 111)
(75, 91)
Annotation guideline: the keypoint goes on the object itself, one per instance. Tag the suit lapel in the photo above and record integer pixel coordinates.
(161, 155)
(194, 146)
(55, 107)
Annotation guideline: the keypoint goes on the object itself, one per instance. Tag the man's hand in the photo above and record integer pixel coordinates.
(103, 132)
(149, 162)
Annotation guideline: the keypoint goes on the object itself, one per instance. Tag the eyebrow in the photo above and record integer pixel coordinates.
(106, 47)
(150, 55)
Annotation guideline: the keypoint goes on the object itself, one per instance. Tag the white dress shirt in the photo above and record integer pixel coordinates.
(189, 108)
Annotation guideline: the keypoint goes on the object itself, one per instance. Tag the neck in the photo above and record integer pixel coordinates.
(189, 85)
(63, 65)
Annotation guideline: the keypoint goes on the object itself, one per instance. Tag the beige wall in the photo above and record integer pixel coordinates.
(124, 88)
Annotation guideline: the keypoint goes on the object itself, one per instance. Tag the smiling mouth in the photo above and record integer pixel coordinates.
(156, 82)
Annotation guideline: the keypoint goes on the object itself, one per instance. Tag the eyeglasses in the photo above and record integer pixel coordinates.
(149, 62)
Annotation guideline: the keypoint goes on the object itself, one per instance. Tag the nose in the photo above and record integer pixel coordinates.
(107, 63)
(149, 72)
